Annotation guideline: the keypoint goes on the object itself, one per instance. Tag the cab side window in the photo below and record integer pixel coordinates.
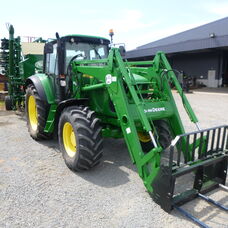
(51, 66)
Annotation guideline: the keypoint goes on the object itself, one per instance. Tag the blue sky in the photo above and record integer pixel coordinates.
(135, 22)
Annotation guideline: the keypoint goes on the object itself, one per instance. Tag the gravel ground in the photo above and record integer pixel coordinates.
(38, 190)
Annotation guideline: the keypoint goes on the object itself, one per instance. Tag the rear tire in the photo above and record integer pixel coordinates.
(164, 135)
(80, 138)
(8, 103)
(36, 113)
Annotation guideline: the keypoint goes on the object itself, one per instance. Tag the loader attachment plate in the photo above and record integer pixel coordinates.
(204, 155)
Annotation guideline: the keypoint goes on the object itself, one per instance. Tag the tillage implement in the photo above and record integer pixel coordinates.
(17, 67)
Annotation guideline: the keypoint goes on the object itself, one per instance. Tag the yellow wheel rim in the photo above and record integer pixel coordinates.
(32, 111)
(143, 137)
(69, 140)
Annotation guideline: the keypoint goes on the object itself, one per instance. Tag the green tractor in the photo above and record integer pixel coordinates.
(88, 92)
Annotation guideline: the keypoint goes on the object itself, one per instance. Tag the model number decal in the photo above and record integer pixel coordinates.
(154, 109)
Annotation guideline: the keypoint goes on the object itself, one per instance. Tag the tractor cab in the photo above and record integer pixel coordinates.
(62, 51)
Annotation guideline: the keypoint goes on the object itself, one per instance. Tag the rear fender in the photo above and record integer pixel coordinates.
(43, 85)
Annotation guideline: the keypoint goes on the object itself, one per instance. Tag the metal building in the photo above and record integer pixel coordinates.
(201, 52)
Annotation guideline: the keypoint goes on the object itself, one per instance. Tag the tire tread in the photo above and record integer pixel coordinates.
(88, 134)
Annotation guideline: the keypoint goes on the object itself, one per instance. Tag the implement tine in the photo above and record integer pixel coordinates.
(187, 149)
(213, 139)
(179, 151)
(200, 145)
(226, 142)
(223, 138)
(223, 187)
(218, 139)
(193, 148)
(207, 141)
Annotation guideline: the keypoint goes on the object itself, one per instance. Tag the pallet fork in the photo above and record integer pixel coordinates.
(209, 164)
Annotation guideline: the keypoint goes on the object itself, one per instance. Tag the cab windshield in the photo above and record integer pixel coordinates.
(85, 51)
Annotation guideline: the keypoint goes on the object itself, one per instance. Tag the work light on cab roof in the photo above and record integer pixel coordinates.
(111, 33)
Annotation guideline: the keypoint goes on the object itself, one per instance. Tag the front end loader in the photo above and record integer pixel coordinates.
(87, 92)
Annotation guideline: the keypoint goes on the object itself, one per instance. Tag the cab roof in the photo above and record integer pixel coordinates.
(83, 38)
(88, 36)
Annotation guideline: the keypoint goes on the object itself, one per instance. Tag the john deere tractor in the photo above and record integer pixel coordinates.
(88, 92)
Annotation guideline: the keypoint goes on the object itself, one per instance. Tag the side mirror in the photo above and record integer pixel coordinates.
(48, 48)
(122, 50)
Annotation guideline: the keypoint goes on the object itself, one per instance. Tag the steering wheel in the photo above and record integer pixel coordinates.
(72, 59)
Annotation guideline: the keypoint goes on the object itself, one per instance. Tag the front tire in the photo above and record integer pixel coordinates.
(80, 138)
(164, 136)
(36, 113)
(8, 103)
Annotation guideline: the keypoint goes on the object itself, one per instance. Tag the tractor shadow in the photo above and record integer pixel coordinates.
(114, 167)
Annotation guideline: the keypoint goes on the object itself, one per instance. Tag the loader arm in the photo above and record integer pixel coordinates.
(123, 81)
(120, 83)
(115, 77)
(173, 77)
(131, 97)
